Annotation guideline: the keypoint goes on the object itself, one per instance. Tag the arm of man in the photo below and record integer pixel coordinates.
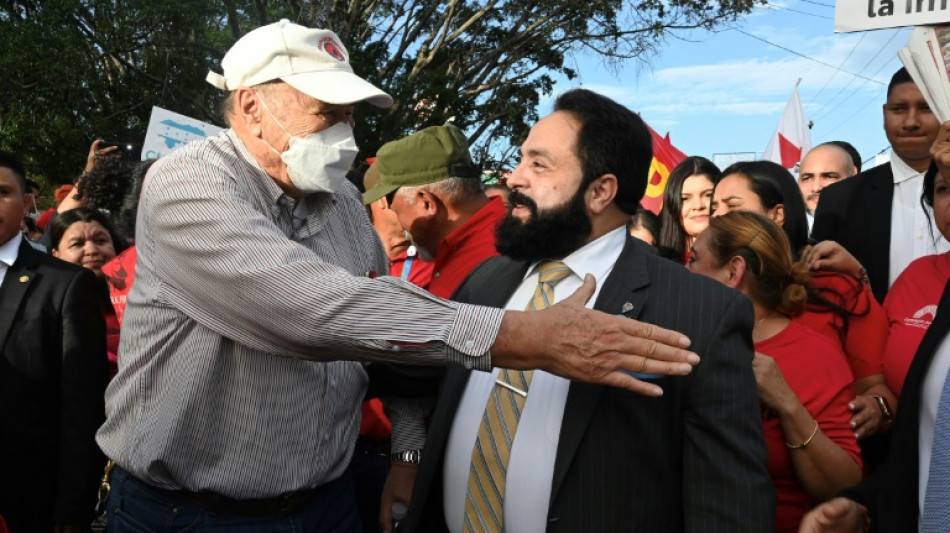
(230, 268)
(83, 383)
(726, 484)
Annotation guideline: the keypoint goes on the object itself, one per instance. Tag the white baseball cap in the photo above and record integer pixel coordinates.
(310, 60)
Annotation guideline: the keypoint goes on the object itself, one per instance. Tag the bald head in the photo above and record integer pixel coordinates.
(823, 165)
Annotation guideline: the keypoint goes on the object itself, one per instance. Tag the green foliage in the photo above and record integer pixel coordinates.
(82, 69)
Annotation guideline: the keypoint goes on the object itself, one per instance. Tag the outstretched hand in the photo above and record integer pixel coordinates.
(577, 343)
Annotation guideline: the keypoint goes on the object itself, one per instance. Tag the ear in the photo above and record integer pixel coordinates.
(427, 204)
(735, 271)
(247, 107)
(601, 193)
(777, 214)
(54, 252)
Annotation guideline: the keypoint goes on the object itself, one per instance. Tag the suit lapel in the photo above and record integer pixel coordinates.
(16, 284)
(878, 223)
(624, 292)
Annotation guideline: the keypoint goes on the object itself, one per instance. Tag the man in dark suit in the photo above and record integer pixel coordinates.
(589, 458)
(876, 215)
(53, 374)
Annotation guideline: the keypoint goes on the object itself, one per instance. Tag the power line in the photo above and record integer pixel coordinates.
(818, 3)
(835, 73)
(776, 6)
(799, 54)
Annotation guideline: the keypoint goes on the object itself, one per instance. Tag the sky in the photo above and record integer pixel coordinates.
(724, 91)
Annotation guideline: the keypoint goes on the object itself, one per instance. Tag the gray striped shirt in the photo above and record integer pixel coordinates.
(239, 367)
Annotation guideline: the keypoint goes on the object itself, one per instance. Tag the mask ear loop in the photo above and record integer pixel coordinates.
(279, 125)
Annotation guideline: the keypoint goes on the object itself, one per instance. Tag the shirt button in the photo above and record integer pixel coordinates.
(469, 343)
(435, 275)
(467, 364)
(394, 348)
(333, 382)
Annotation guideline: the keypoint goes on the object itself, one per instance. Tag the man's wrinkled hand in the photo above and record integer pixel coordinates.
(398, 488)
(577, 343)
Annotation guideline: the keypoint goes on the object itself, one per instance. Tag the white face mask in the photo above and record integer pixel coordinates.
(318, 162)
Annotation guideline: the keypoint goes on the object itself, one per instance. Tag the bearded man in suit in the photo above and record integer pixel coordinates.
(518, 451)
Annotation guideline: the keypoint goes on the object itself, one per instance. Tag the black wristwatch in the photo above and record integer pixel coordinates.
(885, 409)
(408, 456)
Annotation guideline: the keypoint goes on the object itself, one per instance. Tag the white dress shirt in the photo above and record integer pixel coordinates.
(8, 254)
(912, 230)
(929, 402)
(531, 463)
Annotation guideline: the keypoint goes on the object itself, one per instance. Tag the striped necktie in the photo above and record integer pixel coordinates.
(484, 500)
(936, 513)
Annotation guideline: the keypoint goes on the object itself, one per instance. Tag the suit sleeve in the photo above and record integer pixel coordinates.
(726, 483)
(82, 386)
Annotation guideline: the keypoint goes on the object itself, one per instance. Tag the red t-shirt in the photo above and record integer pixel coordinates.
(910, 306)
(815, 368)
(120, 272)
(466, 247)
(862, 337)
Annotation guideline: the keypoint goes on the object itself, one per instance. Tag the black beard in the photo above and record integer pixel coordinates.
(549, 234)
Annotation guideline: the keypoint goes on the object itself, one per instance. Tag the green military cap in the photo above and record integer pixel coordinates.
(427, 156)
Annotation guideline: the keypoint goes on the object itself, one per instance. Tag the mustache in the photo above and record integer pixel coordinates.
(518, 198)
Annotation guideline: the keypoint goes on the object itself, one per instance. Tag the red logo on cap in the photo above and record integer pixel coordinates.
(332, 49)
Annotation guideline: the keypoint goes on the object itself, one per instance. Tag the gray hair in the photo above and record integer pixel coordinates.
(452, 190)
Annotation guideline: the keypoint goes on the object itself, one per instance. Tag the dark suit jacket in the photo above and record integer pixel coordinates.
(692, 460)
(856, 213)
(53, 374)
(891, 494)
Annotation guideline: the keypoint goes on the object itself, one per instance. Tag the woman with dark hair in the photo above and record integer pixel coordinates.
(840, 306)
(644, 225)
(685, 213)
(85, 237)
(764, 187)
(804, 382)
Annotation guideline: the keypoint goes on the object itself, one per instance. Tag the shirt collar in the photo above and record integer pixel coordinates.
(11, 249)
(596, 257)
(901, 170)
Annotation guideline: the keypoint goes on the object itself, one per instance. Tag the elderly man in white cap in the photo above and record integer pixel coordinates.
(255, 308)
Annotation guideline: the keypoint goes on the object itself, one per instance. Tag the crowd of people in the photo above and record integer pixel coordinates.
(254, 333)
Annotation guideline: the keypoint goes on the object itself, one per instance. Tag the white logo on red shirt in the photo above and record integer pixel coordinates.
(922, 318)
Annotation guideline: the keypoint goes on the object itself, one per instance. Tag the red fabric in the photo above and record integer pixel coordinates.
(466, 247)
(665, 158)
(791, 153)
(420, 272)
(43, 220)
(120, 272)
(910, 306)
(815, 369)
(865, 335)
(374, 424)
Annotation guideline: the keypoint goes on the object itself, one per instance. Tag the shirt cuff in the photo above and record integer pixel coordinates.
(408, 419)
(473, 333)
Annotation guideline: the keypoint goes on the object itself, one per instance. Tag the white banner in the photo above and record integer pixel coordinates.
(168, 131)
(858, 15)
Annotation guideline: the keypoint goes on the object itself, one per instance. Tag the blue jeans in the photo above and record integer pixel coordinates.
(137, 507)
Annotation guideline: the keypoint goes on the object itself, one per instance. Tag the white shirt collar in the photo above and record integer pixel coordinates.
(11, 249)
(901, 170)
(596, 257)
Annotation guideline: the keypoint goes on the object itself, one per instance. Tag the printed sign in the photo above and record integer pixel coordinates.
(168, 131)
(858, 15)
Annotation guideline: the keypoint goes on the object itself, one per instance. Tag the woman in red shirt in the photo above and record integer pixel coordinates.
(804, 382)
(840, 306)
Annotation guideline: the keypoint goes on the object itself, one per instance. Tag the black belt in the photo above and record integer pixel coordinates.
(286, 504)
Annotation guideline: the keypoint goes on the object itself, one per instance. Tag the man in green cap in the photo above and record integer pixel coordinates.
(430, 182)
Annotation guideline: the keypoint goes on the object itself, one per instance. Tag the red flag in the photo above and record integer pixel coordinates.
(665, 158)
(791, 139)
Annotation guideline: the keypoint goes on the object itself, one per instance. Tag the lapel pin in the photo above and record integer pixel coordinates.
(24, 279)
(627, 307)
